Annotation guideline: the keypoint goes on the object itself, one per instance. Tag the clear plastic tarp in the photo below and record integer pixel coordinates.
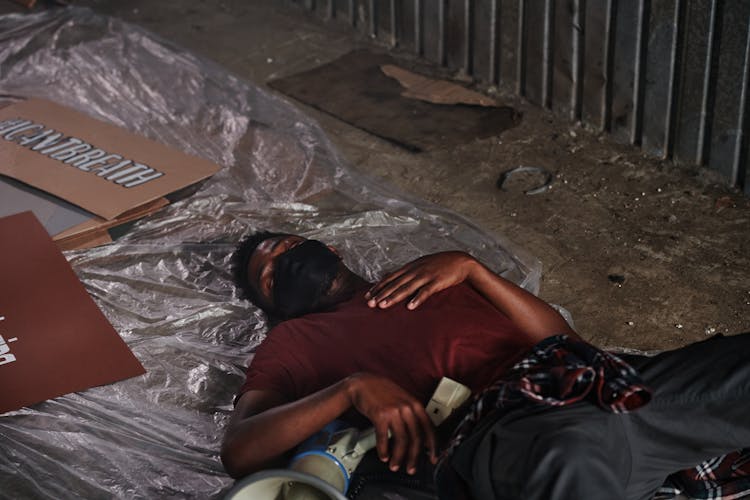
(165, 285)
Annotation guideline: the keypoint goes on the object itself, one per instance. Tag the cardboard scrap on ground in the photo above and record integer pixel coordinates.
(54, 340)
(435, 91)
(354, 89)
(115, 176)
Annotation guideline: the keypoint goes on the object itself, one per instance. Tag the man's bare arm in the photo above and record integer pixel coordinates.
(427, 275)
(264, 427)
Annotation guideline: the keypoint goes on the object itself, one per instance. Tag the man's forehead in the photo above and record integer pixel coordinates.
(264, 250)
(269, 244)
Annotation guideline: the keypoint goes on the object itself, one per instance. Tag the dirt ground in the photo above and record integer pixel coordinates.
(643, 253)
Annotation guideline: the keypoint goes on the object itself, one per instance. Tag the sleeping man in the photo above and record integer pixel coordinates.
(553, 418)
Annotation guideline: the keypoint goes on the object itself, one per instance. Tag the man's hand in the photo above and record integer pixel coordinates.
(430, 274)
(421, 278)
(265, 426)
(391, 409)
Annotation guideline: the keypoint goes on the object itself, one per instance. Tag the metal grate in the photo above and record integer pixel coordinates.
(668, 75)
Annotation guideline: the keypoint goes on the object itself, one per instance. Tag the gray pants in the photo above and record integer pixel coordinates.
(700, 409)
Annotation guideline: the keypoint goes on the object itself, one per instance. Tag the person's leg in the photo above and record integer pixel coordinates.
(700, 409)
(565, 453)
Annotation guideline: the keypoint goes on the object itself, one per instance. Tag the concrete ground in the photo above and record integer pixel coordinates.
(643, 253)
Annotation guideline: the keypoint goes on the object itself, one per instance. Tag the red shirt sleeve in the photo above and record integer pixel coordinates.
(272, 367)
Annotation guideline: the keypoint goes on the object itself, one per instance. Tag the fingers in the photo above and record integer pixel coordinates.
(376, 289)
(421, 296)
(428, 432)
(415, 437)
(381, 439)
(400, 426)
(420, 279)
(393, 411)
(410, 431)
(400, 440)
(397, 292)
(392, 291)
(419, 289)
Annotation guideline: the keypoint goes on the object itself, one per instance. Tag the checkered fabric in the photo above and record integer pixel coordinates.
(560, 371)
(722, 478)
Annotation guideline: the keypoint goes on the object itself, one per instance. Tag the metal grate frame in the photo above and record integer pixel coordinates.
(670, 76)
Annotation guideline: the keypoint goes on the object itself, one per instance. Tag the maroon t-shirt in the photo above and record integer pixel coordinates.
(456, 333)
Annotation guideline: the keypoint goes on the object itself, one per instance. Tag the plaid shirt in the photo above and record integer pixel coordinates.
(722, 478)
(560, 371)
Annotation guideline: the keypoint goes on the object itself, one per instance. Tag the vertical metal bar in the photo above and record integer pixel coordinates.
(702, 146)
(352, 13)
(441, 32)
(736, 177)
(576, 96)
(639, 74)
(671, 118)
(609, 35)
(468, 36)
(373, 8)
(331, 10)
(394, 25)
(492, 76)
(521, 62)
(547, 55)
(418, 41)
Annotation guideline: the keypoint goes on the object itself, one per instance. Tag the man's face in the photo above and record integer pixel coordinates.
(260, 267)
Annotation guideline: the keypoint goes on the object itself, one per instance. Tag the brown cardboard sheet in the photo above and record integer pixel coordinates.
(56, 215)
(355, 89)
(96, 231)
(420, 87)
(54, 340)
(98, 223)
(97, 166)
(70, 227)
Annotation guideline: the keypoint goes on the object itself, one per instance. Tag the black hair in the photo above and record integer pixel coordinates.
(240, 260)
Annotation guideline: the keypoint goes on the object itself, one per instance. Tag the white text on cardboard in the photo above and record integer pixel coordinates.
(77, 153)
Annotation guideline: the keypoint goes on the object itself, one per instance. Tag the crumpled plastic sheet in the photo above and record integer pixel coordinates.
(165, 285)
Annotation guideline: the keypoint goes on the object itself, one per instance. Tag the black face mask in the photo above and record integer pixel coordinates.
(302, 277)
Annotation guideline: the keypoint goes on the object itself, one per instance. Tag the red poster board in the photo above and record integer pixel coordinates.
(54, 339)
